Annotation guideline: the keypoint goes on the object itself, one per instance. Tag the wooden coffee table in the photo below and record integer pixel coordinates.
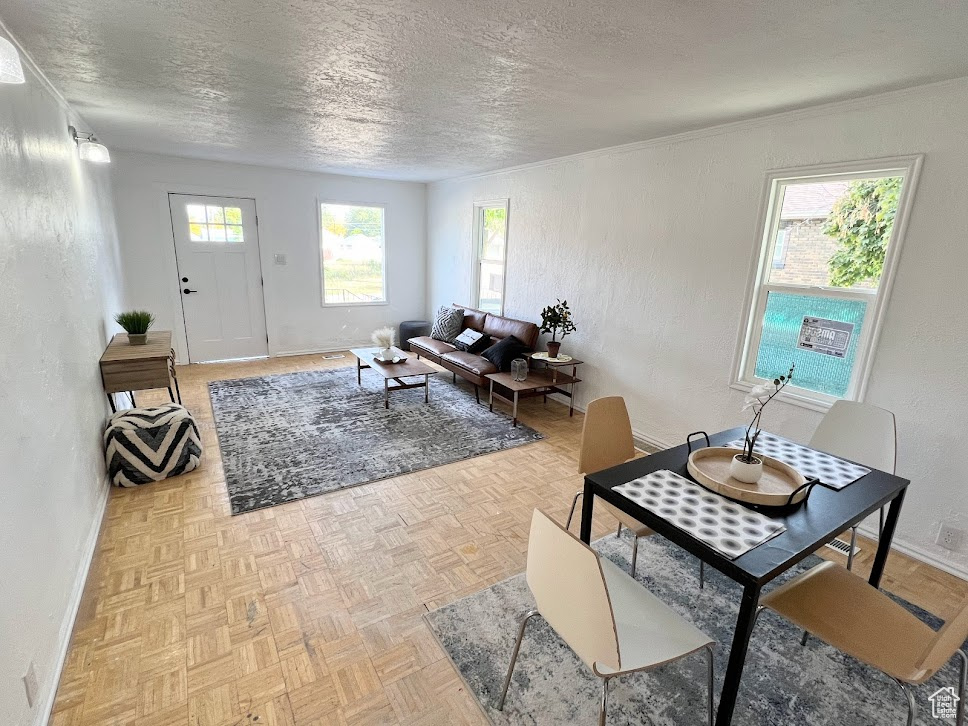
(394, 372)
(540, 382)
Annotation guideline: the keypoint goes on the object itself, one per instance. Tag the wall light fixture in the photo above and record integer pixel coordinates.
(88, 147)
(10, 69)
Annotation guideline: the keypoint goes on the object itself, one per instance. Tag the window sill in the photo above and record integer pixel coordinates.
(356, 304)
(797, 399)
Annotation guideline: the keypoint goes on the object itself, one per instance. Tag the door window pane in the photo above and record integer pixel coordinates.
(196, 213)
(206, 223)
(198, 232)
(353, 254)
(778, 347)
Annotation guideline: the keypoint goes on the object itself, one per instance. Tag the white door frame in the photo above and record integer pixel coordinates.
(176, 304)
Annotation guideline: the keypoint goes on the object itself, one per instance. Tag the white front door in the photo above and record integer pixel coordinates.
(219, 277)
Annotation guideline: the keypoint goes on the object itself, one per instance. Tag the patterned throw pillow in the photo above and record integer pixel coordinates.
(448, 324)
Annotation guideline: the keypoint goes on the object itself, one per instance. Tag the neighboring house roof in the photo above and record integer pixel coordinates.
(811, 201)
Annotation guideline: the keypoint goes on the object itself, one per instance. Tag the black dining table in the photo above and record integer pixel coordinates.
(825, 514)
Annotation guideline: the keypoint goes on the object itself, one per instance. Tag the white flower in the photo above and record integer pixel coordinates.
(757, 396)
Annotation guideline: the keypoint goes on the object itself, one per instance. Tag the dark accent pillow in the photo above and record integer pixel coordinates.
(447, 324)
(504, 351)
(472, 341)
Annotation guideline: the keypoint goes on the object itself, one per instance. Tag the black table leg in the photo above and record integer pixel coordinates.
(737, 654)
(887, 536)
(114, 408)
(587, 507)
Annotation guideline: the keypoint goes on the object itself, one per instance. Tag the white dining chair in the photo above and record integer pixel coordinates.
(607, 441)
(863, 433)
(609, 620)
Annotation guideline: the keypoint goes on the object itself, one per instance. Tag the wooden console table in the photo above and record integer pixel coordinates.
(128, 368)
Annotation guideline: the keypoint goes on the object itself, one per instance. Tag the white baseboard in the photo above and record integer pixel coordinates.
(315, 351)
(67, 625)
(919, 553)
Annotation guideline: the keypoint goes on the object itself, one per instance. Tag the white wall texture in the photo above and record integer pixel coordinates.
(60, 288)
(652, 245)
(286, 203)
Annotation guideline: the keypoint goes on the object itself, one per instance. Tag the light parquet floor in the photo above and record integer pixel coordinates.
(310, 613)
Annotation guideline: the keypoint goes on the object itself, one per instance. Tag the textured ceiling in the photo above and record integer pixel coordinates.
(427, 89)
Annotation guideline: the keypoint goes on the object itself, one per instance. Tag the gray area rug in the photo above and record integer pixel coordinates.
(783, 683)
(297, 435)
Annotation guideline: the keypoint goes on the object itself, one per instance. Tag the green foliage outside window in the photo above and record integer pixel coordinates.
(862, 221)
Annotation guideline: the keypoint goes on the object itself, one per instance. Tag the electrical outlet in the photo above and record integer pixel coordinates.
(30, 685)
(279, 259)
(950, 537)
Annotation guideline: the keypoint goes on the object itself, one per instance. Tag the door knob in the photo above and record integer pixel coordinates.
(184, 279)
(188, 292)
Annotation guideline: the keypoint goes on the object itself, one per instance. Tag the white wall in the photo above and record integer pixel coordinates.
(60, 289)
(288, 224)
(652, 246)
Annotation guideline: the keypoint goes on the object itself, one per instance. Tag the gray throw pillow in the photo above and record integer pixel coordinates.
(448, 324)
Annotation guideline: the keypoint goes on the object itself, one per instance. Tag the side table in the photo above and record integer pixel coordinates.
(128, 368)
(553, 365)
(540, 382)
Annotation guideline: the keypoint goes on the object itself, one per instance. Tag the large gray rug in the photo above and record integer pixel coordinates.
(296, 435)
(783, 683)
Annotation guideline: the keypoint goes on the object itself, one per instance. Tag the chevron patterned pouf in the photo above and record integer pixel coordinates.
(142, 445)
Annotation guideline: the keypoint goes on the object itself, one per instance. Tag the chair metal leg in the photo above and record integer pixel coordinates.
(803, 638)
(604, 711)
(710, 680)
(574, 503)
(635, 555)
(702, 575)
(618, 532)
(912, 704)
(514, 656)
(853, 543)
(960, 717)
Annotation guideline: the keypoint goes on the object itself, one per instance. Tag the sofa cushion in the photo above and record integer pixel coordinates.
(504, 351)
(470, 362)
(447, 324)
(426, 343)
(473, 319)
(473, 341)
(500, 327)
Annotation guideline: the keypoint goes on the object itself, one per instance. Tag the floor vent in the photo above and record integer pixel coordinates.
(843, 547)
(333, 356)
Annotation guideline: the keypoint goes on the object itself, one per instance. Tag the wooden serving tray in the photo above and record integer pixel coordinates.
(710, 467)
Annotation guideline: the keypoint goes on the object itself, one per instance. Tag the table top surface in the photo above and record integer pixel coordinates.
(409, 367)
(537, 378)
(825, 514)
(119, 349)
(557, 363)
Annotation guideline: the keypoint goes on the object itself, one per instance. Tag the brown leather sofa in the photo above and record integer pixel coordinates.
(471, 366)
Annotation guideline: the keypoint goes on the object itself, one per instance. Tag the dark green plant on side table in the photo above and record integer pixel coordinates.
(556, 319)
(135, 324)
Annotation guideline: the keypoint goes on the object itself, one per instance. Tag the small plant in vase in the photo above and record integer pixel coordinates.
(383, 338)
(746, 466)
(136, 324)
(556, 319)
